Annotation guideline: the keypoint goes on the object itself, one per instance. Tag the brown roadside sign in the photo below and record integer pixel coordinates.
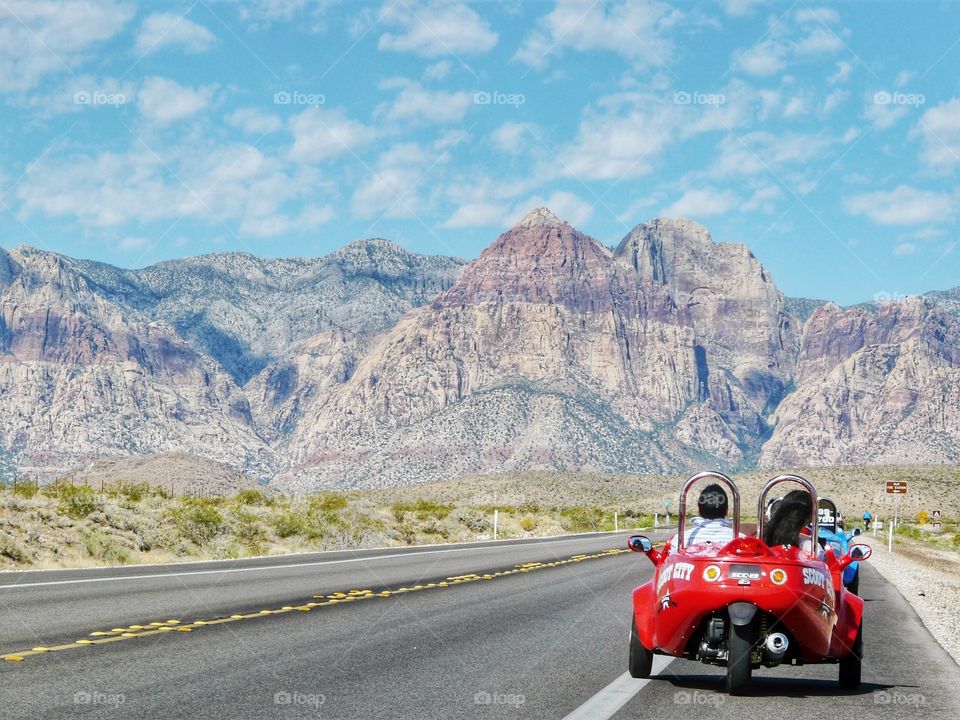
(896, 487)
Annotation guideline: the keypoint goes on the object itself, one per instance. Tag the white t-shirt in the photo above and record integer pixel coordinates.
(718, 531)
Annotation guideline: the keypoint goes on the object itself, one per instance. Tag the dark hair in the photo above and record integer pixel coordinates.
(790, 515)
(712, 502)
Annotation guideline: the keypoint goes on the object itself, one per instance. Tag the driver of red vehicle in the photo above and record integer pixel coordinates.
(712, 526)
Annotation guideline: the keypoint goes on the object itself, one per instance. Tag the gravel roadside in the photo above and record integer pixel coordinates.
(929, 579)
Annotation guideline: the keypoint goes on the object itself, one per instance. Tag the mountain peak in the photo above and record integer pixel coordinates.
(540, 217)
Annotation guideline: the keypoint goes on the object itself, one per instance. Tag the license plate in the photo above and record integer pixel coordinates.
(748, 572)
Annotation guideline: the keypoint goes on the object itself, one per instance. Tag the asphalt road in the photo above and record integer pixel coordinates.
(530, 641)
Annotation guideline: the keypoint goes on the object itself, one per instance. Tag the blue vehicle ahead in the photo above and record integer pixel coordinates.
(831, 534)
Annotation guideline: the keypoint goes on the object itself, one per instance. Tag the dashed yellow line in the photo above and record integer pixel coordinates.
(160, 627)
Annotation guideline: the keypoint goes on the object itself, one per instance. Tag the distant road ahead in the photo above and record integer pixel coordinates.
(524, 629)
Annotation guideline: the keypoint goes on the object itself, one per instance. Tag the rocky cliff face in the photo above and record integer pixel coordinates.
(80, 378)
(376, 366)
(552, 351)
(875, 384)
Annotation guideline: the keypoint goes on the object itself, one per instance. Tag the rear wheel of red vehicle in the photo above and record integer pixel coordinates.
(739, 647)
(852, 664)
(854, 585)
(641, 659)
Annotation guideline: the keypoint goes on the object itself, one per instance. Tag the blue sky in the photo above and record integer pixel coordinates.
(827, 139)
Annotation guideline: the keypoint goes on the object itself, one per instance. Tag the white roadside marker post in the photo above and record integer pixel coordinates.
(616, 522)
(890, 538)
(496, 518)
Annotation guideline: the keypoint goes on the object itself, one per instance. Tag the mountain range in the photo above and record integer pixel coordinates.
(378, 366)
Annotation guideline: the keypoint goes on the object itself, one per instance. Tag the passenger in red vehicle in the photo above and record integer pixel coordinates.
(712, 526)
(789, 520)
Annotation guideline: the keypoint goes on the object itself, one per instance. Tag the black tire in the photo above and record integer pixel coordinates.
(641, 659)
(854, 586)
(739, 668)
(852, 665)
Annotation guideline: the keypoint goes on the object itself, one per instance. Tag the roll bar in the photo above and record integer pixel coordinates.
(682, 506)
(808, 486)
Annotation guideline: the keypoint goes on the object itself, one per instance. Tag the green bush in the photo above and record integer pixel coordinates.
(423, 509)
(584, 519)
(251, 497)
(248, 530)
(10, 548)
(104, 547)
(527, 523)
(289, 523)
(198, 520)
(326, 503)
(77, 501)
(25, 489)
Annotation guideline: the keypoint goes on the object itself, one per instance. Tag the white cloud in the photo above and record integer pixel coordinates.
(399, 175)
(904, 205)
(509, 137)
(883, 115)
(787, 42)
(476, 214)
(416, 104)
(834, 100)
(844, 70)
(702, 203)
(163, 101)
(438, 70)
(254, 121)
(764, 59)
(132, 244)
(821, 15)
(38, 39)
(168, 29)
(939, 128)
(622, 138)
(905, 249)
(635, 29)
(760, 151)
(739, 8)
(234, 184)
(430, 28)
(320, 134)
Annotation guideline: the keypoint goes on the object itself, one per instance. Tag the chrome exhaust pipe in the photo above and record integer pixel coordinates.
(776, 645)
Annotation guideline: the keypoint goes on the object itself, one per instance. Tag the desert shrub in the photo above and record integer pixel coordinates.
(583, 519)
(104, 547)
(25, 489)
(77, 501)
(10, 548)
(248, 530)
(473, 519)
(326, 503)
(288, 523)
(423, 509)
(251, 497)
(198, 519)
(527, 523)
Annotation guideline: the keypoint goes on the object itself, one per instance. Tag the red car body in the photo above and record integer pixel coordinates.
(698, 593)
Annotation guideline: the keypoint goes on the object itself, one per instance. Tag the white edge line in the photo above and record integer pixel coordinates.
(606, 703)
(154, 576)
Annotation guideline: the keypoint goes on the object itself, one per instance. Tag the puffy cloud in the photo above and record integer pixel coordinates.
(702, 203)
(168, 29)
(509, 137)
(400, 173)
(254, 121)
(788, 41)
(636, 29)
(416, 104)
(163, 101)
(320, 134)
(430, 28)
(905, 249)
(904, 205)
(939, 129)
(760, 152)
(476, 214)
(39, 38)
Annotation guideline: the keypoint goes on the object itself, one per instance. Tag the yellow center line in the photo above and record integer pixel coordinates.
(160, 627)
